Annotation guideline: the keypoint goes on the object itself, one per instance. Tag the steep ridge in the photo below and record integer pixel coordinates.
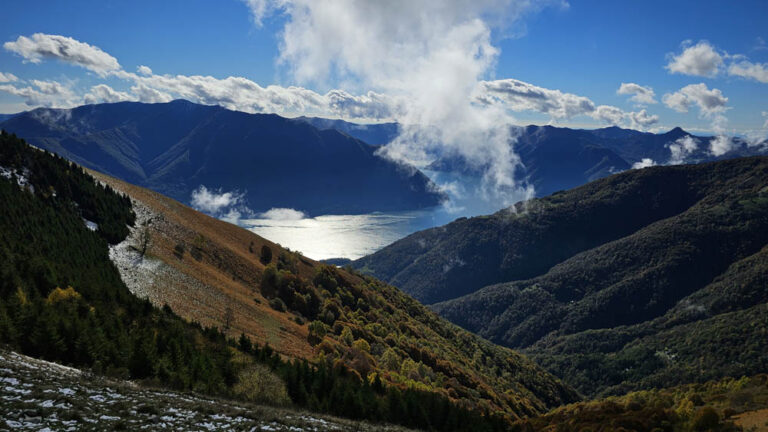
(674, 281)
(365, 324)
(175, 147)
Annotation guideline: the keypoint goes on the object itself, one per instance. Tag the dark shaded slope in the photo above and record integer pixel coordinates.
(465, 255)
(174, 148)
(652, 307)
(375, 134)
(559, 158)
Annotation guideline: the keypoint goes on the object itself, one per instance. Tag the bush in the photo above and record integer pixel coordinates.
(260, 385)
(706, 419)
(277, 304)
(317, 332)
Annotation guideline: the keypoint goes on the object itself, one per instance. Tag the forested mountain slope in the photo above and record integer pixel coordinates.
(642, 279)
(366, 351)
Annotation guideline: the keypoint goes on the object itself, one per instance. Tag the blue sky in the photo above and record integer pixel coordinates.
(585, 49)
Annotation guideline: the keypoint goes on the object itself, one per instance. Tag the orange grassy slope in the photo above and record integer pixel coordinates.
(210, 271)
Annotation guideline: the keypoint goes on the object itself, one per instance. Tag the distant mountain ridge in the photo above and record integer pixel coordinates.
(275, 162)
(556, 158)
(375, 133)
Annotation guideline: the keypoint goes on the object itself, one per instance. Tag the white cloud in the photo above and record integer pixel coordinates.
(103, 93)
(640, 94)
(211, 201)
(242, 94)
(747, 69)
(517, 95)
(7, 77)
(721, 145)
(641, 120)
(150, 95)
(283, 214)
(427, 56)
(765, 114)
(50, 94)
(521, 96)
(609, 114)
(709, 101)
(63, 48)
(644, 163)
(144, 70)
(711, 104)
(681, 149)
(701, 60)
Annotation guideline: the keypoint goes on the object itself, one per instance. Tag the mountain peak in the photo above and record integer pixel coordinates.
(677, 131)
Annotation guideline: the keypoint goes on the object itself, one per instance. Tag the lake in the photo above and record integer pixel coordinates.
(345, 236)
(354, 236)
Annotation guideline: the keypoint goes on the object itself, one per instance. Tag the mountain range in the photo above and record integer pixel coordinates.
(638, 280)
(325, 166)
(644, 278)
(558, 158)
(554, 159)
(176, 147)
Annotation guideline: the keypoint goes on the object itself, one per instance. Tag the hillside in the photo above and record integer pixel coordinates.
(175, 147)
(343, 345)
(57, 397)
(633, 281)
(723, 405)
(339, 317)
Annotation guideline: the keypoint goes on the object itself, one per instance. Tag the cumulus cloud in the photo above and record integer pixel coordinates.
(644, 163)
(147, 94)
(103, 93)
(709, 101)
(428, 56)
(609, 114)
(681, 148)
(517, 95)
(144, 70)
(283, 214)
(212, 201)
(640, 94)
(51, 94)
(747, 69)
(521, 96)
(227, 206)
(721, 145)
(701, 59)
(641, 120)
(63, 48)
(7, 77)
(242, 94)
(711, 104)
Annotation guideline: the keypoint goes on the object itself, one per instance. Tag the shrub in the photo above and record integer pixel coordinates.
(277, 304)
(258, 384)
(58, 295)
(706, 419)
(317, 332)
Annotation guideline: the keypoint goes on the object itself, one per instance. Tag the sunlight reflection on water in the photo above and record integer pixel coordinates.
(345, 236)
(354, 236)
